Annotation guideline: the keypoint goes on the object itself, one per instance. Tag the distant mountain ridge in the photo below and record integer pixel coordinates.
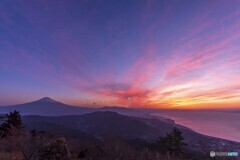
(49, 107)
(47, 99)
(45, 106)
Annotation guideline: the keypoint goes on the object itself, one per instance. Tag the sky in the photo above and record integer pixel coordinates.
(134, 53)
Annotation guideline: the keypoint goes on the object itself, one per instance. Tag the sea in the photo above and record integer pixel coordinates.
(220, 123)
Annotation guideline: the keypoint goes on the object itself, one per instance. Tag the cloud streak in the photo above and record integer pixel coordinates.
(147, 55)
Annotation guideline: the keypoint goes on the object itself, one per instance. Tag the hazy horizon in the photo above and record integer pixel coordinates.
(142, 107)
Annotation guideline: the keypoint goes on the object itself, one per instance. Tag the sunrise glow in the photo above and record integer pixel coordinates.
(160, 54)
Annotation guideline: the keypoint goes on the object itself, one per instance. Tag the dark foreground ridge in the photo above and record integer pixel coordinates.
(106, 124)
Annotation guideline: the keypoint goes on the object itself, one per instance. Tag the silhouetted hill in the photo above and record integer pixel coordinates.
(106, 124)
(57, 129)
(45, 106)
(49, 107)
(81, 122)
(99, 124)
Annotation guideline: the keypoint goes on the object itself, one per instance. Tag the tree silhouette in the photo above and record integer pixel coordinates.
(173, 142)
(13, 121)
(57, 150)
(30, 142)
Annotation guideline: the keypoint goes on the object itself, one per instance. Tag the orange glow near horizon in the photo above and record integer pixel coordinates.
(152, 54)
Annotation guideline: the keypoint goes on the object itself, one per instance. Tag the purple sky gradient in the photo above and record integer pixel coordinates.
(134, 53)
